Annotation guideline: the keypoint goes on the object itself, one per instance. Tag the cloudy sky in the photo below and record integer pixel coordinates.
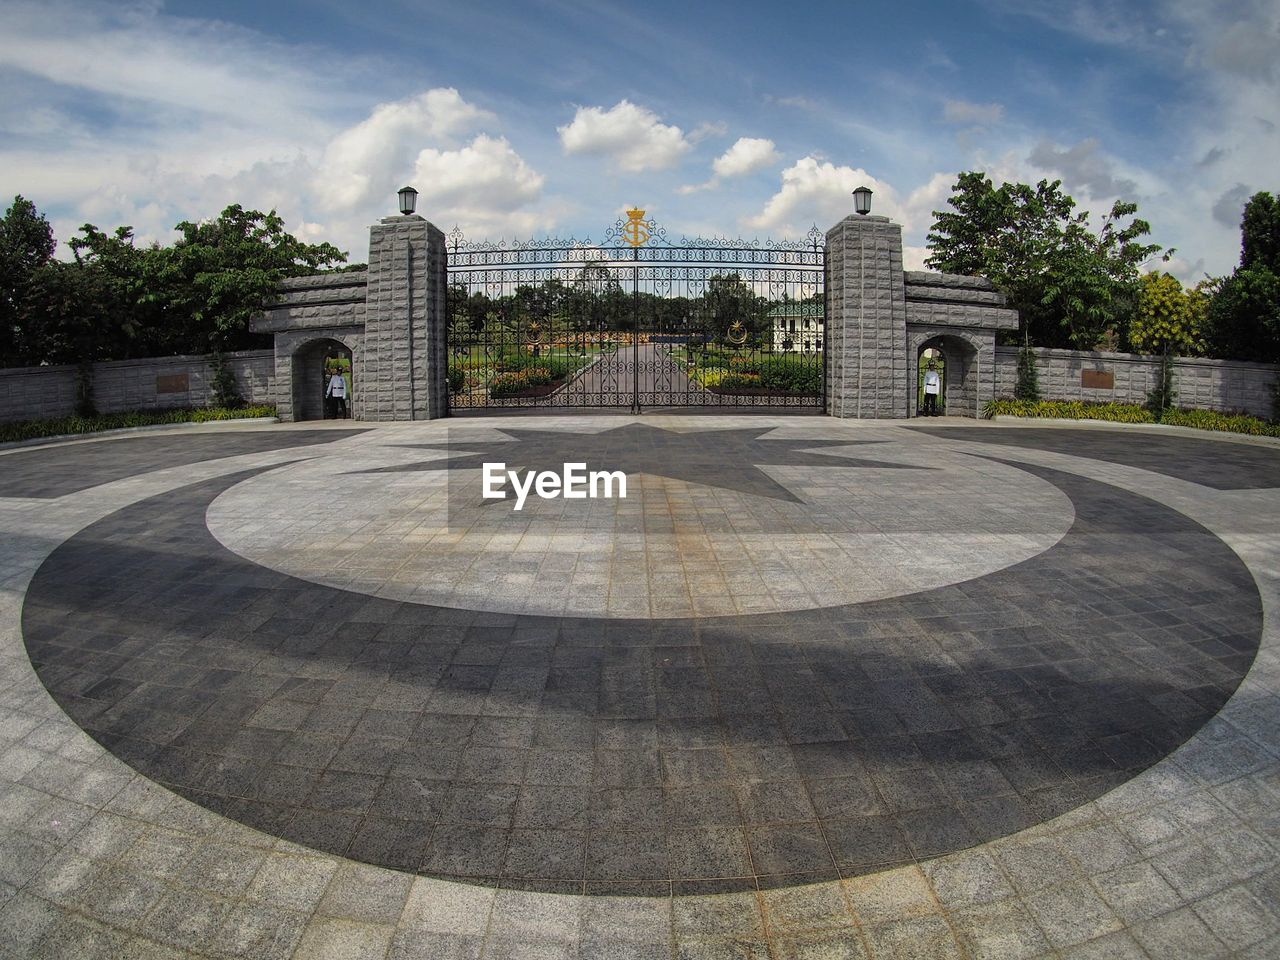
(550, 116)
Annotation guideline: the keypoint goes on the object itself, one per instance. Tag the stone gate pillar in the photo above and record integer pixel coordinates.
(405, 357)
(866, 319)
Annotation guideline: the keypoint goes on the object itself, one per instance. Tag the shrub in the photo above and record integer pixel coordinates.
(1161, 397)
(510, 384)
(1070, 410)
(558, 366)
(223, 387)
(1132, 413)
(791, 374)
(740, 381)
(1028, 385)
(64, 426)
(457, 377)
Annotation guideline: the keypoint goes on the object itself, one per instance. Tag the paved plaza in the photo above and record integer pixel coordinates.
(813, 689)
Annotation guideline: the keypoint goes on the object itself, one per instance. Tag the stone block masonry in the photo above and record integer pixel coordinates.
(404, 331)
(866, 341)
(157, 383)
(1224, 385)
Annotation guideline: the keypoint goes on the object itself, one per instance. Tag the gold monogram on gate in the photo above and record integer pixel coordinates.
(635, 231)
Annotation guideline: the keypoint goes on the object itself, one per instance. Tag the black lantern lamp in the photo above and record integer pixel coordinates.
(408, 200)
(862, 200)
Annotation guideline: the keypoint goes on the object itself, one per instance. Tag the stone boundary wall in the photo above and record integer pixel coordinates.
(322, 301)
(154, 383)
(1228, 386)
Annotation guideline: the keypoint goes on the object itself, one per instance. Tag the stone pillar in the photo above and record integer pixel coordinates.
(866, 339)
(405, 361)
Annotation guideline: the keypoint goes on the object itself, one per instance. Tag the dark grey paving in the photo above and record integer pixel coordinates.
(69, 468)
(644, 755)
(1219, 464)
(698, 457)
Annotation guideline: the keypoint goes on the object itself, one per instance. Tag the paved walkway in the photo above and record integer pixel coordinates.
(812, 689)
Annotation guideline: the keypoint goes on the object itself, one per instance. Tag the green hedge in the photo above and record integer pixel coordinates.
(792, 374)
(1132, 413)
(784, 374)
(558, 367)
(62, 426)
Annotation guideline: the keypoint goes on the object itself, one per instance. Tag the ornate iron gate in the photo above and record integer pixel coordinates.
(636, 322)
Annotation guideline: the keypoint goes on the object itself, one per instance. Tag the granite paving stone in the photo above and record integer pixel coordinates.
(803, 707)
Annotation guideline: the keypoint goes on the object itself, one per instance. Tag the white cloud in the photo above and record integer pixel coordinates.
(819, 192)
(183, 68)
(364, 160)
(632, 136)
(485, 185)
(962, 111)
(748, 155)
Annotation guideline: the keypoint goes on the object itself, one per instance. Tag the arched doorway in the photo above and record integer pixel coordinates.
(956, 360)
(313, 364)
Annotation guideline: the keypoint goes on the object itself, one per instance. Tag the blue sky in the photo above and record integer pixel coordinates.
(735, 119)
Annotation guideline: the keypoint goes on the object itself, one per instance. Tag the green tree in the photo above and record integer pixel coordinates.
(72, 315)
(1244, 314)
(127, 284)
(1068, 284)
(26, 245)
(1167, 318)
(221, 272)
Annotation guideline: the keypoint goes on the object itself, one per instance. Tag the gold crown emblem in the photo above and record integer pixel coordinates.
(635, 213)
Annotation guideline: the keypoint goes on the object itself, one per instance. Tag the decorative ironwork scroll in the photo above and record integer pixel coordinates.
(636, 321)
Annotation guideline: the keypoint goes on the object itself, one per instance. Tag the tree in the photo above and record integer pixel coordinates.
(127, 281)
(72, 315)
(1167, 318)
(221, 272)
(1244, 314)
(1068, 284)
(26, 245)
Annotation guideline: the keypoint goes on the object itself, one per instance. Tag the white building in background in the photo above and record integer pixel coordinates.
(797, 327)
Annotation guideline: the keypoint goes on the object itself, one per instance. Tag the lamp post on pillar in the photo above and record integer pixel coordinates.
(405, 360)
(866, 315)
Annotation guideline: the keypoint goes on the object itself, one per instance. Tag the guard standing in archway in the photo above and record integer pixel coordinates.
(337, 389)
(932, 387)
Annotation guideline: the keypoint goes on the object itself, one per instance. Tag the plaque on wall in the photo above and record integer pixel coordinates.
(1098, 379)
(173, 382)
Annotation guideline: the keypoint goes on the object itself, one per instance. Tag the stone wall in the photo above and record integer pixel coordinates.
(866, 310)
(404, 365)
(156, 383)
(1223, 385)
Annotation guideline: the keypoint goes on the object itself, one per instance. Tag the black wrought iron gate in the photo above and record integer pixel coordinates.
(636, 322)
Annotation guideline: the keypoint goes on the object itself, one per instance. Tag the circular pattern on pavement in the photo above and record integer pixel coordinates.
(644, 755)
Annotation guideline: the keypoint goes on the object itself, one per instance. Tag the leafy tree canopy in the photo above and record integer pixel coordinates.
(1244, 315)
(1167, 318)
(1070, 285)
(26, 244)
(119, 300)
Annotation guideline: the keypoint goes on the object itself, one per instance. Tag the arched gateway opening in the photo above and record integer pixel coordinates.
(956, 361)
(313, 364)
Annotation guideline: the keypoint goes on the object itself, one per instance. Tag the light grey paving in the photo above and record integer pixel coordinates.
(1178, 862)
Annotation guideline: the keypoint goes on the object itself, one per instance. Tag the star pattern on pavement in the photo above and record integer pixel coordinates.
(729, 459)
